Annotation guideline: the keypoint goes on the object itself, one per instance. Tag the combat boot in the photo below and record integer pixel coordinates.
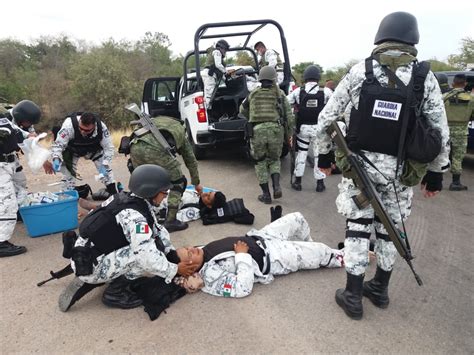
(111, 189)
(376, 289)
(265, 197)
(277, 193)
(320, 187)
(119, 294)
(456, 184)
(175, 225)
(9, 249)
(350, 299)
(74, 292)
(296, 185)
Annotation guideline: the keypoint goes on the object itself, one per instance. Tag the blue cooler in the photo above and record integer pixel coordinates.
(50, 218)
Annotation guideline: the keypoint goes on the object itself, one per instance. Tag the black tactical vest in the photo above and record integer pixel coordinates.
(377, 124)
(81, 145)
(102, 229)
(311, 104)
(9, 143)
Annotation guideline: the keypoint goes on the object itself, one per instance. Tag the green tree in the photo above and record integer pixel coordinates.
(466, 56)
(437, 65)
(298, 70)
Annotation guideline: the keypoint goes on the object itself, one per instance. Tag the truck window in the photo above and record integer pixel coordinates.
(163, 91)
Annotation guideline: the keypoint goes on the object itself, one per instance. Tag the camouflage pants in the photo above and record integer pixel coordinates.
(19, 182)
(8, 201)
(210, 83)
(361, 223)
(306, 138)
(265, 147)
(458, 134)
(69, 181)
(290, 247)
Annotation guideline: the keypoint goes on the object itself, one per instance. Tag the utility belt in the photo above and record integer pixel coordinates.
(249, 127)
(8, 158)
(266, 260)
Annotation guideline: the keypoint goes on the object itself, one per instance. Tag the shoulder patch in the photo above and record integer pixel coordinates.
(142, 228)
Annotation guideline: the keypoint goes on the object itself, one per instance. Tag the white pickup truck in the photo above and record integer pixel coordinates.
(183, 97)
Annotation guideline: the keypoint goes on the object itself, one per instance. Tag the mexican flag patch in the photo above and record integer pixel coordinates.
(142, 228)
(227, 290)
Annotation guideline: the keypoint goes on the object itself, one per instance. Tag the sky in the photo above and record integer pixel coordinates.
(330, 33)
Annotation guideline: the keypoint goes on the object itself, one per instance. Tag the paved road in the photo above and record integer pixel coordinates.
(296, 313)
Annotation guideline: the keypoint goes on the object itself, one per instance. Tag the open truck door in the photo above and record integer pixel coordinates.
(161, 97)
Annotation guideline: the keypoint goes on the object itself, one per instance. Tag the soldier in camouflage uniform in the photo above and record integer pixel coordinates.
(214, 70)
(12, 180)
(271, 58)
(395, 51)
(126, 242)
(269, 112)
(459, 109)
(145, 149)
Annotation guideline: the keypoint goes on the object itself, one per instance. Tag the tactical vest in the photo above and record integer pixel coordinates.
(101, 228)
(459, 109)
(263, 62)
(263, 105)
(311, 104)
(9, 143)
(211, 65)
(377, 123)
(232, 209)
(18, 132)
(81, 145)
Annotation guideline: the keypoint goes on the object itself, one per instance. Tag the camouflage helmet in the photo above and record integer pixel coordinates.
(398, 27)
(222, 44)
(26, 110)
(312, 72)
(267, 73)
(442, 81)
(148, 180)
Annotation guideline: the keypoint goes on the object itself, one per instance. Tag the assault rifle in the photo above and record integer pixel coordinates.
(57, 275)
(147, 123)
(370, 196)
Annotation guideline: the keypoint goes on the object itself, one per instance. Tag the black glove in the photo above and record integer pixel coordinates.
(433, 181)
(324, 161)
(275, 212)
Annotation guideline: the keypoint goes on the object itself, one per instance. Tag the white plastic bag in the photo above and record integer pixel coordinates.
(35, 154)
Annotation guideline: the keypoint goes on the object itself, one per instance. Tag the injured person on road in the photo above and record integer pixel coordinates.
(230, 266)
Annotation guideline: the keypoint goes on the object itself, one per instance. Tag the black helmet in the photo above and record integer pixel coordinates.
(26, 110)
(312, 72)
(399, 27)
(442, 81)
(222, 44)
(148, 179)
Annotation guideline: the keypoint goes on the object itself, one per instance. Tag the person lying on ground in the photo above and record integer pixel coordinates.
(230, 266)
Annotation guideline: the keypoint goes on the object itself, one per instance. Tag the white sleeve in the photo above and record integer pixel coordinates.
(293, 97)
(107, 145)
(271, 58)
(65, 134)
(228, 284)
(142, 245)
(218, 61)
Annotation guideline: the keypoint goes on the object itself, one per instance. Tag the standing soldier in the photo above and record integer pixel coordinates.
(24, 111)
(308, 101)
(146, 149)
(83, 134)
(271, 58)
(215, 69)
(459, 109)
(378, 89)
(269, 113)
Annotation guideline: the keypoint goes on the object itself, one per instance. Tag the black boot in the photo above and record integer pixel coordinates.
(9, 249)
(350, 299)
(456, 184)
(118, 294)
(320, 187)
(111, 189)
(277, 193)
(265, 197)
(175, 225)
(74, 292)
(296, 185)
(376, 289)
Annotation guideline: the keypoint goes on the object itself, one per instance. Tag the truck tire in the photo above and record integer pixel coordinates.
(199, 153)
